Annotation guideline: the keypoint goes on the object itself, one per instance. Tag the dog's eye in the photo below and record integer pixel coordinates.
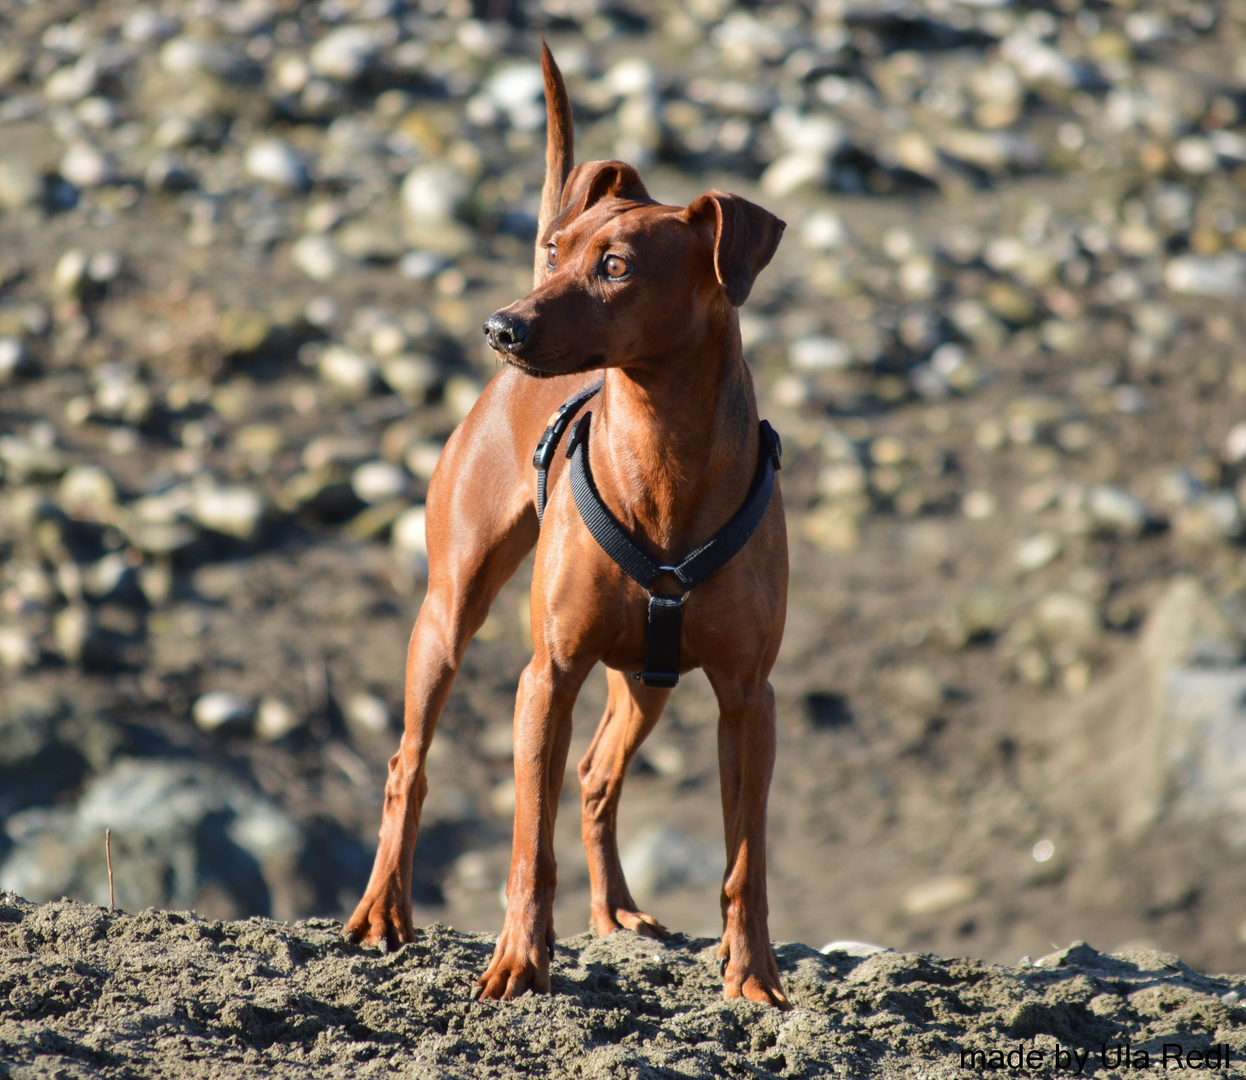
(615, 267)
(551, 255)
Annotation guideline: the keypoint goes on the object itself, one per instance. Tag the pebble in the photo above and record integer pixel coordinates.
(819, 353)
(18, 649)
(233, 511)
(275, 719)
(87, 491)
(347, 370)
(433, 192)
(317, 256)
(86, 166)
(20, 186)
(222, 710)
(366, 714)
(1069, 619)
(377, 481)
(408, 537)
(15, 360)
(346, 53)
(1038, 550)
(1116, 511)
(941, 894)
(275, 162)
(1221, 275)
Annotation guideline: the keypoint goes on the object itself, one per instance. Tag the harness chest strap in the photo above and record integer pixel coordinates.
(665, 614)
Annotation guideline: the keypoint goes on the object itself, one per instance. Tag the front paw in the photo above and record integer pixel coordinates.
(752, 974)
(516, 968)
(383, 919)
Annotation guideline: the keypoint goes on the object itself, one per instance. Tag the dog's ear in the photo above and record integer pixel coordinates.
(744, 236)
(559, 151)
(596, 180)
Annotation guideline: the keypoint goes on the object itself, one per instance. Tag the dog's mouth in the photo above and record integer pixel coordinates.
(596, 360)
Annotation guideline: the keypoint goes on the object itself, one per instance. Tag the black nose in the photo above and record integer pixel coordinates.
(505, 333)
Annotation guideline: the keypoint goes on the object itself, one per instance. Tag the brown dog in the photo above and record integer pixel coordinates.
(648, 294)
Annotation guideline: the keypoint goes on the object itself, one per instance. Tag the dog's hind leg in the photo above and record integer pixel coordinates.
(631, 713)
(481, 524)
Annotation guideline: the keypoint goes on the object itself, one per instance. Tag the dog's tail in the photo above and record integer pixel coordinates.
(559, 151)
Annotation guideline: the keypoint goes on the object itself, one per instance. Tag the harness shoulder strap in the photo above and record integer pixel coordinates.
(548, 443)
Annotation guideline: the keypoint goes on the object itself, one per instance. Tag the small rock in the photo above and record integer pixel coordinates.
(87, 491)
(317, 256)
(1233, 450)
(347, 370)
(408, 538)
(70, 272)
(433, 192)
(1038, 550)
(376, 481)
(979, 505)
(338, 450)
(187, 58)
(20, 186)
(1211, 518)
(18, 650)
(1221, 275)
(86, 166)
(15, 360)
(820, 354)
(221, 710)
(346, 53)
(940, 894)
(1116, 511)
(859, 949)
(366, 713)
(233, 511)
(662, 857)
(274, 720)
(275, 162)
(422, 457)
(1064, 618)
(104, 266)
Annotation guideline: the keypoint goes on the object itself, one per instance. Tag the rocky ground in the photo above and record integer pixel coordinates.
(245, 249)
(161, 994)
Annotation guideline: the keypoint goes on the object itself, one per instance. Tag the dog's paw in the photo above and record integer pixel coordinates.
(607, 921)
(384, 922)
(752, 975)
(515, 969)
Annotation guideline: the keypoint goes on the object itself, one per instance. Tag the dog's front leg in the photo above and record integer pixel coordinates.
(746, 753)
(542, 737)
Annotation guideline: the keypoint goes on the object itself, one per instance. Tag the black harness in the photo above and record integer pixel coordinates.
(665, 612)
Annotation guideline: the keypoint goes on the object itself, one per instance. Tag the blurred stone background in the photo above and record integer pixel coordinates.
(245, 249)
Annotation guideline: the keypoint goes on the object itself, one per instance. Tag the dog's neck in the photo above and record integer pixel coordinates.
(674, 445)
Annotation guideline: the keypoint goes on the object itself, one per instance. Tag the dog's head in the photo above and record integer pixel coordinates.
(627, 281)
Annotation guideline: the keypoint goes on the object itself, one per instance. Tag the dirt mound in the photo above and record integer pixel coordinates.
(86, 992)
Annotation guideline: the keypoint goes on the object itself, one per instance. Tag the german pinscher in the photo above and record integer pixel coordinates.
(667, 553)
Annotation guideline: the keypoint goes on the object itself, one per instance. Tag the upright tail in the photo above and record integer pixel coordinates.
(559, 153)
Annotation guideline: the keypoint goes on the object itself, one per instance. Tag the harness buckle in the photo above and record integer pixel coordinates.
(544, 452)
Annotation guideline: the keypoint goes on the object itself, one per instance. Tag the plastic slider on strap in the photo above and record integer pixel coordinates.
(544, 452)
(666, 616)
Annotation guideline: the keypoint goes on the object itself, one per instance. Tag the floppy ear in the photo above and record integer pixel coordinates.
(745, 238)
(596, 180)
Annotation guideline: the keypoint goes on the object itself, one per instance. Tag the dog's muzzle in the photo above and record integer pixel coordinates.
(505, 333)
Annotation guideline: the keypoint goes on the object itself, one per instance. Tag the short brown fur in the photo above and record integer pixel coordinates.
(674, 447)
